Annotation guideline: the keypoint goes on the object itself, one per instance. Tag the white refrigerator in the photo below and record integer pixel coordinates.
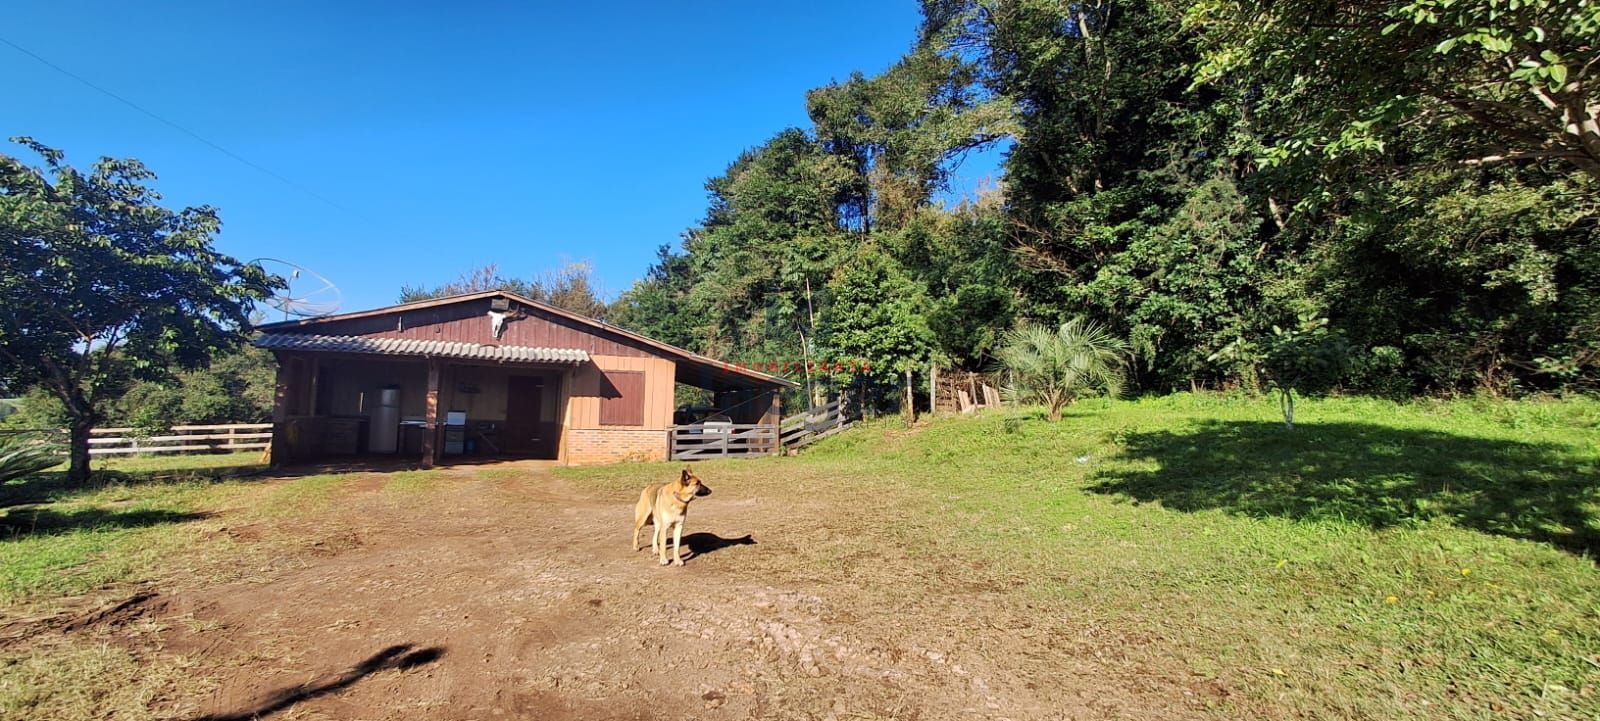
(384, 436)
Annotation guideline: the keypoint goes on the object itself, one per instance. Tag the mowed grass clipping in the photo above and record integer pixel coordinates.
(1381, 560)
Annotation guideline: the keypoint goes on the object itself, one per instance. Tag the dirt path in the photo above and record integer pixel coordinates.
(513, 599)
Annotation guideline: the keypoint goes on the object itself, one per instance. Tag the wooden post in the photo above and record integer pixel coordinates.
(772, 418)
(933, 387)
(908, 407)
(312, 387)
(277, 446)
(430, 435)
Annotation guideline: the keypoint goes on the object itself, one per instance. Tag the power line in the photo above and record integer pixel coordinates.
(214, 146)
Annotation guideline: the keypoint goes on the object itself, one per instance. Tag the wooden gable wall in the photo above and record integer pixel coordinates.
(468, 322)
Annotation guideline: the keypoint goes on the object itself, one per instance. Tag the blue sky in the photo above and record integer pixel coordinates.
(449, 135)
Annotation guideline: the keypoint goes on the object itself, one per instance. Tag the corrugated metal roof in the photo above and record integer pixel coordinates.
(411, 347)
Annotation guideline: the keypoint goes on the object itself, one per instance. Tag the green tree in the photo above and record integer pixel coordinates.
(658, 304)
(1416, 171)
(236, 388)
(878, 317)
(1308, 358)
(570, 287)
(1493, 81)
(37, 409)
(766, 248)
(1054, 367)
(100, 284)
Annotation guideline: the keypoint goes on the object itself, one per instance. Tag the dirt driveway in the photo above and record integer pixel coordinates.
(511, 593)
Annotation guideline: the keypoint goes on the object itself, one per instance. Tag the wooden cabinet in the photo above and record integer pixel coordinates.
(341, 436)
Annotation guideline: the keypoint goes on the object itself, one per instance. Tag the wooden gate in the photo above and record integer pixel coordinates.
(799, 431)
(712, 439)
(700, 441)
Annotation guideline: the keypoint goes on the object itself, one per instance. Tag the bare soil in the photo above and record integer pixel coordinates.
(513, 594)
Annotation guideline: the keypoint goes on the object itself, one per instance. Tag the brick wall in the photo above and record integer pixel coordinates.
(611, 445)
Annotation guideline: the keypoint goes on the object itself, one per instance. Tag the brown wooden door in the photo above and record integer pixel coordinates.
(523, 433)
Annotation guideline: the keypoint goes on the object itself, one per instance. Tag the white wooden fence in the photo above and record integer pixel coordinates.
(181, 439)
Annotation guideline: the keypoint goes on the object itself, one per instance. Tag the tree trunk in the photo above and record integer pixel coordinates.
(1286, 403)
(78, 449)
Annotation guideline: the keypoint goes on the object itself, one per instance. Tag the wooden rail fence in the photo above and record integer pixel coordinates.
(803, 429)
(700, 441)
(717, 440)
(181, 439)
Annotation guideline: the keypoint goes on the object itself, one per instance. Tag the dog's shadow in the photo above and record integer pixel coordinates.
(700, 544)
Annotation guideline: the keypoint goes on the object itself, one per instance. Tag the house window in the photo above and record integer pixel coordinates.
(622, 398)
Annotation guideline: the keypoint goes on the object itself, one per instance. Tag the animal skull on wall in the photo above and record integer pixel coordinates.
(497, 320)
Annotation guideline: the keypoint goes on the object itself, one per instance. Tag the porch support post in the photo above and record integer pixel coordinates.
(430, 436)
(278, 449)
(773, 417)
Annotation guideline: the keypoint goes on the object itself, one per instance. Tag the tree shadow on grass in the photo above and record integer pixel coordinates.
(53, 485)
(1369, 474)
(33, 522)
(401, 657)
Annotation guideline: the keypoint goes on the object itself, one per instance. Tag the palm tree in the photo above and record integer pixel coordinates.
(1054, 367)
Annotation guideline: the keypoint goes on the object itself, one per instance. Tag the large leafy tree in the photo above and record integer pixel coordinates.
(766, 248)
(878, 318)
(99, 284)
(1492, 81)
(1418, 172)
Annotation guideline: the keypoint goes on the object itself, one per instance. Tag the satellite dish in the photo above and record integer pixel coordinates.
(305, 294)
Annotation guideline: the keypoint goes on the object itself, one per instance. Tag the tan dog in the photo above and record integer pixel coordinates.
(665, 507)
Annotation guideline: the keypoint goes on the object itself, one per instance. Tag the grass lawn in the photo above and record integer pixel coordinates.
(58, 540)
(1382, 560)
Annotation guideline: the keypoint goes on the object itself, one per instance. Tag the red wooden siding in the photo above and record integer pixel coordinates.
(468, 322)
(622, 399)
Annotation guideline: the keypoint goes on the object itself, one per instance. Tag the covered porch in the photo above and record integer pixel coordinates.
(391, 399)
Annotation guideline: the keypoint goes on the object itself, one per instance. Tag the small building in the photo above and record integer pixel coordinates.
(490, 374)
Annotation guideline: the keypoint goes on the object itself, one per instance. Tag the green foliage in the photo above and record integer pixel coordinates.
(968, 324)
(1054, 367)
(1476, 82)
(877, 317)
(23, 454)
(658, 305)
(100, 284)
(236, 388)
(1305, 359)
(1421, 173)
(38, 409)
(569, 287)
(1379, 372)
(1308, 359)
